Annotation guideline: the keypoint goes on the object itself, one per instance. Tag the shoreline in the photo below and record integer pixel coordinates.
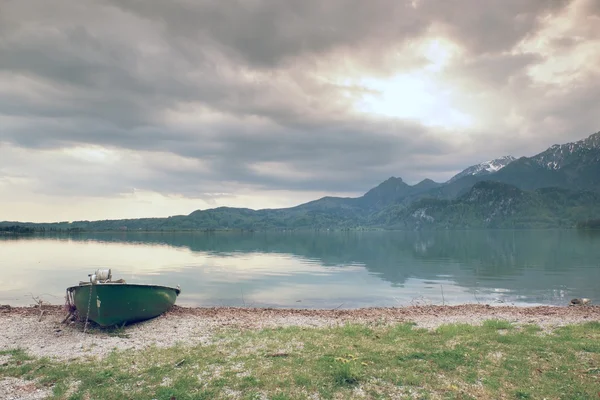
(363, 313)
(45, 335)
(292, 230)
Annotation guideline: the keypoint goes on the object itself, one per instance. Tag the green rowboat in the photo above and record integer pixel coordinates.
(110, 303)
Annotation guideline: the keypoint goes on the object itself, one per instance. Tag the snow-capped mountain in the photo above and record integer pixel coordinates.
(558, 156)
(485, 168)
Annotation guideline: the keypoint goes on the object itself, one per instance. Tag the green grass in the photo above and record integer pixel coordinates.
(495, 360)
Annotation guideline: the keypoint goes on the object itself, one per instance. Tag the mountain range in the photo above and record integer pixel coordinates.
(555, 188)
(485, 168)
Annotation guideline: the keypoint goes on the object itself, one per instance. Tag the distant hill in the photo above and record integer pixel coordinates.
(485, 168)
(574, 166)
(558, 157)
(391, 191)
(491, 204)
(557, 187)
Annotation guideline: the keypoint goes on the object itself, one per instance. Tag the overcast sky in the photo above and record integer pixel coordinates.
(123, 108)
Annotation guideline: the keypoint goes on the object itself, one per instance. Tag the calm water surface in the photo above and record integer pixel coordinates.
(315, 270)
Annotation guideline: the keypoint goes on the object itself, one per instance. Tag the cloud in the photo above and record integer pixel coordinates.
(271, 33)
(495, 26)
(194, 98)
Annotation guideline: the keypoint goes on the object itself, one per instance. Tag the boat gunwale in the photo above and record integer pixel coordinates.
(86, 284)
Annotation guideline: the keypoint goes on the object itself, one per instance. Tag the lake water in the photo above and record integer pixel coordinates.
(315, 270)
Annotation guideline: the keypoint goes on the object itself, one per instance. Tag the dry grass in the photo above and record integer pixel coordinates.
(454, 361)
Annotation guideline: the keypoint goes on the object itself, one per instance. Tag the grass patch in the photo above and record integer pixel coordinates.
(495, 360)
(346, 374)
(496, 324)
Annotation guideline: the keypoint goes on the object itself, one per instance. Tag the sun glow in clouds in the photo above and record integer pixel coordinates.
(412, 96)
(93, 154)
(420, 94)
(439, 53)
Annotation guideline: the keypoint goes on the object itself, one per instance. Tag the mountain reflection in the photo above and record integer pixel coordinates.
(532, 266)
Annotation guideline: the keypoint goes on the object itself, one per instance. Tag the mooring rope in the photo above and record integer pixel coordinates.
(88, 310)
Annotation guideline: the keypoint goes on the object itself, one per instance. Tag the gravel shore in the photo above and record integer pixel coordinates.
(23, 328)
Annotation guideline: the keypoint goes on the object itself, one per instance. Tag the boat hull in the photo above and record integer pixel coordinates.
(119, 303)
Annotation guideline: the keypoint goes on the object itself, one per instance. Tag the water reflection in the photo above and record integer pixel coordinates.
(351, 269)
